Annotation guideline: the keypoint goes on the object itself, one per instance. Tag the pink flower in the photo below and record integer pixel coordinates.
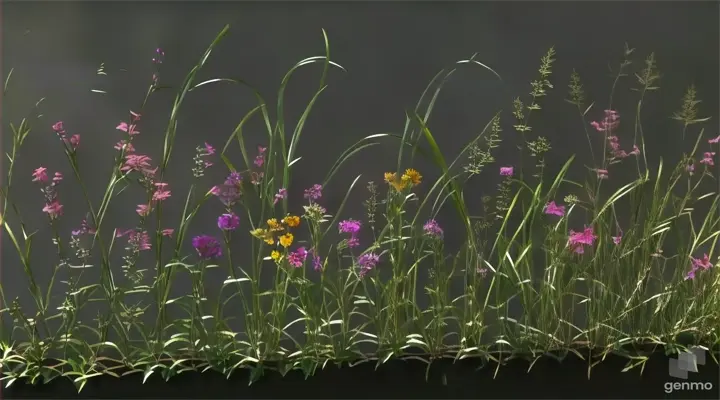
(57, 178)
(40, 175)
(139, 241)
(281, 194)
(129, 129)
(58, 128)
(707, 158)
(578, 239)
(691, 168)
(209, 150)
(74, 141)
(696, 264)
(635, 151)
(167, 232)
(506, 171)
(124, 144)
(617, 239)
(143, 210)
(553, 209)
(715, 140)
(161, 194)
(136, 162)
(53, 210)
(135, 116)
(610, 122)
(260, 158)
(297, 258)
(602, 173)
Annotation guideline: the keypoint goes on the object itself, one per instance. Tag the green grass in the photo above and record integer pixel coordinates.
(614, 297)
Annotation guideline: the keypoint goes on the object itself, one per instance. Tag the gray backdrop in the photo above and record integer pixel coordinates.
(390, 49)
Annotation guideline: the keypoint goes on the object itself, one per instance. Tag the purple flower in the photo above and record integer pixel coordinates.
(297, 258)
(708, 158)
(228, 194)
(84, 229)
(431, 228)
(313, 193)
(228, 222)
(697, 264)
(506, 171)
(353, 242)
(553, 209)
(367, 262)
(281, 194)
(317, 262)
(350, 226)
(233, 179)
(617, 239)
(207, 247)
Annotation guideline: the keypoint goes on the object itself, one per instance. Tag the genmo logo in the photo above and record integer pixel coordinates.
(679, 386)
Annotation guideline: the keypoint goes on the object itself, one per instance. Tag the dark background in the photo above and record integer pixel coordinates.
(391, 50)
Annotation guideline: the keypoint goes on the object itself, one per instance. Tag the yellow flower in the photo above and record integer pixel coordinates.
(292, 221)
(275, 255)
(270, 240)
(259, 233)
(391, 178)
(274, 225)
(286, 240)
(412, 176)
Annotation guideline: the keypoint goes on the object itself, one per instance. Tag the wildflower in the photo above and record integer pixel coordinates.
(350, 226)
(431, 228)
(74, 141)
(297, 258)
(691, 168)
(143, 210)
(274, 225)
(601, 173)
(313, 193)
(263, 234)
(53, 210)
(40, 175)
(610, 122)
(209, 150)
(207, 247)
(635, 151)
(124, 145)
(715, 140)
(227, 194)
(506, 171)
(707, 158)
(139, 241)
(286, 240)
(136, 162)
(167, 232)
(127, 128)
(84, 229)
(316, 261)
(228, 222)
(617, 239)
(57, 178)
(553, 209)
(391, 178)
(161, 194)
(281, 194)
(315, 212)
(292, 221)
(59, 128)
(578, 239)
(353, 242)
(412, 176)
(367, 262)
(697, 264)
(234, 179)
(481, 271)
(275, 255)
(260, 158)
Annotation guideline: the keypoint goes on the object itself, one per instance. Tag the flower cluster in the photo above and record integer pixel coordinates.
(352, 227)
(432, 229)
(609, 123)
(698, 264)
(52, 208)
(410, 177)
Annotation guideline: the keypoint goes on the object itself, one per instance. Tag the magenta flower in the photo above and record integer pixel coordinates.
(715, 140)
(59, 128)
(578, 239)
(697, 264)
(228, 222)
(553, 209)
(57, 178)
(143, 210)
(40, 175)
(160, 193)
(431, 228)
(138, 240)
(74, 141)
(136, 162)
(207, 247)
(617, 239)
(350, 226)
(209, 150)
(367, 262)
(297, 258)
(317, 262)
(167, 232)
(124, 145)
(313, 193)
(506, 171)
(601, 173)
(708, 158)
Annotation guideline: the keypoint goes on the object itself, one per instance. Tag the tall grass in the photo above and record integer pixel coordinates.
(593, 266)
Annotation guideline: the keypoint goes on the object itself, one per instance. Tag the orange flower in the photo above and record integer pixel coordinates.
(292, 221)
(412, 176)
(391, 178)
(286, 240)
(274, 225)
